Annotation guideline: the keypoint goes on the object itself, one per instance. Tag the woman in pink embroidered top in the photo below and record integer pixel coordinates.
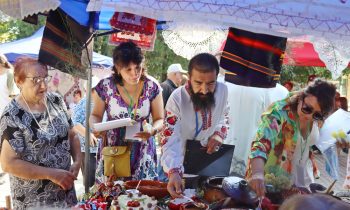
(130, 93)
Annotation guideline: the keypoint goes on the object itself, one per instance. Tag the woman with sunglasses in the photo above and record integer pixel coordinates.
(37, 142)
(286, 132)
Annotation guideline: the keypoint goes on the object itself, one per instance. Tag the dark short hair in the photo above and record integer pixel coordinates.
(123, 55)
(343, 103)
(77, 92)
(324, 92)
(204, 62)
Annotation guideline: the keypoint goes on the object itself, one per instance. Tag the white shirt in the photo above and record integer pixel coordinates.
(302, 170)
(180, 125)
(4, 92)
(246, 106)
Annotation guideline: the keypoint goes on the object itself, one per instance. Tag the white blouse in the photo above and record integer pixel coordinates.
(180, 124)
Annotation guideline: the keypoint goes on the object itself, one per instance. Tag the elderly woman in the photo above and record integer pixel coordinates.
(287, 130)
(130, 93)
(37, 143)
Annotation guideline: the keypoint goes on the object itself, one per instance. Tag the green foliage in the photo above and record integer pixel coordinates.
(161, 57)
(101, 46)
(157, 61)
(13, 29)
(299, 74)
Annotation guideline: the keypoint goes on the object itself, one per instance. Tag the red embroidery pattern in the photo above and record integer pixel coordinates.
(168, 127)
(207, 119)
(138, 29)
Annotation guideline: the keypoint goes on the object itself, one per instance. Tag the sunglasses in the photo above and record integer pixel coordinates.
(306, 109)
(39, 80)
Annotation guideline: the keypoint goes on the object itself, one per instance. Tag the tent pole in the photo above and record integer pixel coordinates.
(88, 111)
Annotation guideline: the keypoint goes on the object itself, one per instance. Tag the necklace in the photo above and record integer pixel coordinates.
(47, 110)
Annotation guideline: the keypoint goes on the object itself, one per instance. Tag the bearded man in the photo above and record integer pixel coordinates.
(196, 111)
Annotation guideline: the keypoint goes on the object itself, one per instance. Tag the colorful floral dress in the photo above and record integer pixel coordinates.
(49, 148)
(143, 153)
(279, 142)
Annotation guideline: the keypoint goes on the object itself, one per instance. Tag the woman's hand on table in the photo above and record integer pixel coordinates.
(175, 185)
(257, 183)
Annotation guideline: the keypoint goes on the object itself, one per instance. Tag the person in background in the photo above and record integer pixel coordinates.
(79, 121)
(343, 103)
(130, 93)
(77, 95)
(184, 79)
(286, 131)
(289, 85)
(311, 78)
(174, 78)
(8, 88)
(37, 142)
(197, 111)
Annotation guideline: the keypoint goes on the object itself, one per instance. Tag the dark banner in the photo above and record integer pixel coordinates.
(252, 59)
(62, 46)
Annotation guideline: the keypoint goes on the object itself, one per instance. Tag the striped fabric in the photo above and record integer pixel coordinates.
(62, 44)
(252, 59)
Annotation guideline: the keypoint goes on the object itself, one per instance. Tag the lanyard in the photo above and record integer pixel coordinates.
(198, 130)
(131, 105)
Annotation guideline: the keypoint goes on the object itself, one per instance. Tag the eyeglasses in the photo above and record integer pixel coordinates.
(39, 80)
(306, 109)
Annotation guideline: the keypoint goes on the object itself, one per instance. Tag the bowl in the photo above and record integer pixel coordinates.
(213, 189)
(149, 187)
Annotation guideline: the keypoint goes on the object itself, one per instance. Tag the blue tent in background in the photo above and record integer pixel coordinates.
(30, 47)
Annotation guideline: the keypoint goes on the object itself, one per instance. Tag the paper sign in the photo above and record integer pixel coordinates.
(338, 121)
(112, 124)
(131, 131)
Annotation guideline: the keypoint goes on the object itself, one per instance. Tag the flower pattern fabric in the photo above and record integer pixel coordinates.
(276, 141)
(49, 148)
(143, 154)
(78, 117)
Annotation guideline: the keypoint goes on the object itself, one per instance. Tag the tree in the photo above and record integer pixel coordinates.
(300, 74)
(13, 29)
(158, 60)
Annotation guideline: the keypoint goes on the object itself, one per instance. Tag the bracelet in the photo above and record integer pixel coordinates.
(258, 175)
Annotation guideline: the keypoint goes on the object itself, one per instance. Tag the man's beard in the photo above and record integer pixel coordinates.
(202, 101)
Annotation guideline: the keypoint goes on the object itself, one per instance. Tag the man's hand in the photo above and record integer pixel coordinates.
(175, 185)
(214, 144)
